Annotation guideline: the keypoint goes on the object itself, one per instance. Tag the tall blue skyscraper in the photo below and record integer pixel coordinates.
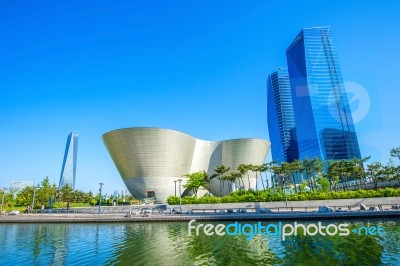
(68, 170)
(324, 124)
(281, 124)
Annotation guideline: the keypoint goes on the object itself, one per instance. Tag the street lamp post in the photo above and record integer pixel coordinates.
(175, 187)
(101, 185)
(284, 191)
(2, 201)
(180, 194)
(34, 194)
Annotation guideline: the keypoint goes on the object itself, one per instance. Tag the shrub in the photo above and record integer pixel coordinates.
(172, 200)
(270, 195)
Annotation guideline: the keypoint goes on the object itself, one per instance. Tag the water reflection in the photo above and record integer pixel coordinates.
(335, 250)
(169, 244)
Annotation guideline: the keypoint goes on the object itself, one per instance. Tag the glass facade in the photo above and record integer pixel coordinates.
(324, 124)
(68, 170)
(281, 123)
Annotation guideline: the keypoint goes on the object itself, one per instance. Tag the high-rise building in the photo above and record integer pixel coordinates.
(68, 170)
(17, 186)
(324, 124)
(281, 124)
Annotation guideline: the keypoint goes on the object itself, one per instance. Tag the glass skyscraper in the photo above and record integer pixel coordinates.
(68, 170)
(324, 124)
(281, 123)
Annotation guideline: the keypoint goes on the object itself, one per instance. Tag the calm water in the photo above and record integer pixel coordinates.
(170, 244)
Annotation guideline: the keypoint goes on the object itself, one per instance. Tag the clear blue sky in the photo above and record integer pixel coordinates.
(195, 66)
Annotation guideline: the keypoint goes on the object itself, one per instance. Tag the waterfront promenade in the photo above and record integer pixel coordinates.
(296, 210)
(110, 218)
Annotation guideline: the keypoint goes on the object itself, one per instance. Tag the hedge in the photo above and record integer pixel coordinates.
(270, 195)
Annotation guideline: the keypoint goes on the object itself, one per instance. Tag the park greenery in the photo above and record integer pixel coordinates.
(279, 195)
(306, 179)
(49, 196)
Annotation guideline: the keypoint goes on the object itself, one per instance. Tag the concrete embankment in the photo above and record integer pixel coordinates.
(306, 205)
(295, 210)
(104, 218)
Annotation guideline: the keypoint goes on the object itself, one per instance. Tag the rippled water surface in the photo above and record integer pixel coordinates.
(169, 244)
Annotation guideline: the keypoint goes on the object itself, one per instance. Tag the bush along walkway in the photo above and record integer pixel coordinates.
(271, 195)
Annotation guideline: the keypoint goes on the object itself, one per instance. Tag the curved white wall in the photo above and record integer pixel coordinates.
(152, 158)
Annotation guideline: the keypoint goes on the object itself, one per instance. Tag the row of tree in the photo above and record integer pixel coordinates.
(327, 175)
(300, 175)
(48, 195)
(223, 173)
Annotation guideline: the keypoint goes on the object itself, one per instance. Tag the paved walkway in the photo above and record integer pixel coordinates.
(306, 205)
(297, 210)
(109, 218)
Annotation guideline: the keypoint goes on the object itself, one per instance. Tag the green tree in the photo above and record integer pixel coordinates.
(295, 169)
(241, 181)
(346, 172)
(270, 167)
(25, 196)
(44, 193)
(195, 181)
(396, 170)
(359, 170)
(376, 172)
(66, 194)
(53, 196)
(235, 176)
(395, 153)
(260, 169)
(285, 172)
(324, 183)
(9, 201)
(220, 171)
(79, 196)
(277, 174)
(346, 169)
(334, 174)
(389, 172)
(208, 178)
(303, 186)
(317, 167)
(339, 171)
(307, 165)
(244, 170)
(254, 169)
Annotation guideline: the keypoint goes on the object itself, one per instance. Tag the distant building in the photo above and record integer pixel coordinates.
(17, 186)
(324, 124)
(68, 170)
(281, 123)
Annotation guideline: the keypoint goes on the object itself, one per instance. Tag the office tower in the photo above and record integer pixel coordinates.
(281, 124)
(324, 124)
(68, 170)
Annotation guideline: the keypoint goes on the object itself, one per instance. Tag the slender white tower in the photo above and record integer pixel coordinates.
(68, 170)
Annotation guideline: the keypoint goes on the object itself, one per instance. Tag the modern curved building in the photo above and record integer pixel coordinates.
(149, 160)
